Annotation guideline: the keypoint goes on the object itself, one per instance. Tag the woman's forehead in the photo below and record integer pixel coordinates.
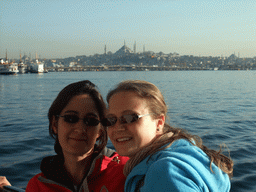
(125, 101)
(82, 103)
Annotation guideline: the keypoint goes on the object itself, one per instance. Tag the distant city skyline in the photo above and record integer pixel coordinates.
(61, 29)
(134, 50)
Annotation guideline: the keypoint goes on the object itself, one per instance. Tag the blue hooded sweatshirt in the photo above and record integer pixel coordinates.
(181, 167)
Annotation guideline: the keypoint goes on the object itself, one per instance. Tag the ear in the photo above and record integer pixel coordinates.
(160, 124)
(55, 125)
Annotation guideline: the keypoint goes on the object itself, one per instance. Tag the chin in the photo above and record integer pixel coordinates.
(123, 154)
(126, 153)
(79, 152)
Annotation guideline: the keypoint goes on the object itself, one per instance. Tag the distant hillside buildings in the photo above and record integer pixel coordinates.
(127, 57)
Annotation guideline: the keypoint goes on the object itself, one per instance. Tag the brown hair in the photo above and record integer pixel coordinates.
(63, 98)
(157, 106)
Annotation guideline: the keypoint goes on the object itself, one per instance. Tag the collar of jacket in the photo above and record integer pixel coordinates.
(53, 168)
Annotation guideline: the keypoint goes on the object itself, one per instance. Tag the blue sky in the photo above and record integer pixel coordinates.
(65, 28)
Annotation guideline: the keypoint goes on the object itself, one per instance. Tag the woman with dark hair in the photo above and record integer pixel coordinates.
(82, 163)
(162, 158)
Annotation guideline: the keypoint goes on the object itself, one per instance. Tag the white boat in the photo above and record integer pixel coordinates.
(8, 68)
(21, 66)
(37, 67)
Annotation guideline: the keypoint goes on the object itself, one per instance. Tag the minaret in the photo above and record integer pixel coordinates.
(134, 48)
(124, 42)
(36, 58)
(20, 57)
(6, 58)
(143, 48)
(105, 50)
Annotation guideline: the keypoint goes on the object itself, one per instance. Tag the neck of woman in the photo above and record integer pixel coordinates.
(78, 166)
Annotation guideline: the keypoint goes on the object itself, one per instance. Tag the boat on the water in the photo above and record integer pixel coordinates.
(7, 68)
(36, 66)
(21, 66)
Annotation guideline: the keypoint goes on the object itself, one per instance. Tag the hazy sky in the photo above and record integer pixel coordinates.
(64, 28)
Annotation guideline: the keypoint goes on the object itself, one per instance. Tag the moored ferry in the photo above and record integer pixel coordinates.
(37, 67)
(8, 68)
(21, 66)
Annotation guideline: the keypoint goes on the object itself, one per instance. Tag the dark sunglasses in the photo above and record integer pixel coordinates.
(89, 121)
(124, 119)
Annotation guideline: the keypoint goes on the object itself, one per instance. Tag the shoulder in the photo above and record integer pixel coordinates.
(115, 160)
(35, 178)
(183, 167)
(40, 183)
(181, 149)
(110, 155)
(107, 161)
(33, 183)
(109, 169)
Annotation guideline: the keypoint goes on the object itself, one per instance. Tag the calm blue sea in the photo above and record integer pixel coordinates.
(219, 106)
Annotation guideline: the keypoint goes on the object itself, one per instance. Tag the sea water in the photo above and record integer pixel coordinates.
(219, 106)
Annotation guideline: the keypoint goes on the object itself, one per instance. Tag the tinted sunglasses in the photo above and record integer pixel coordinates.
(124, 119)
(89, 121)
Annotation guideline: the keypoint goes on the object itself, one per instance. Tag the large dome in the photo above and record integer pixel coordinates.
(124, 51)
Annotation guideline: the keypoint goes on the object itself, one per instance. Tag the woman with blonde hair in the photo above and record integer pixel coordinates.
(162, 158)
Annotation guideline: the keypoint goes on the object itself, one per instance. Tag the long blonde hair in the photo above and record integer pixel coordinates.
(157, 106)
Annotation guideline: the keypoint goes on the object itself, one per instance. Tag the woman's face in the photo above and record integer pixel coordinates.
(128, 138)
(77, 138)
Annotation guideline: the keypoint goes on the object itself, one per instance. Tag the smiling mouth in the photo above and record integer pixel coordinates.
(124, 139)
(77, 139)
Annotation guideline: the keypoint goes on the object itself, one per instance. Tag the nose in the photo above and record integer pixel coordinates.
(118, 126)
(80, 126)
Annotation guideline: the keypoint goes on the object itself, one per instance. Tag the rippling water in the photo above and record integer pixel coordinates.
(219, 106)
